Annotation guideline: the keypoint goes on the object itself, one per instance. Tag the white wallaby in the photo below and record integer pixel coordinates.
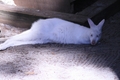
(55, 30)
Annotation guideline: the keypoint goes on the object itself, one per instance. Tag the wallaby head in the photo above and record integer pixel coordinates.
(95, 31)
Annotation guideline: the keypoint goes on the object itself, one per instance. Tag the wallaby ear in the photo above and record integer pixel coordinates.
(91, 23)
(101, 24)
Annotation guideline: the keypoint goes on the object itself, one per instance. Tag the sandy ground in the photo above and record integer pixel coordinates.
(8, 2)
(63, 62)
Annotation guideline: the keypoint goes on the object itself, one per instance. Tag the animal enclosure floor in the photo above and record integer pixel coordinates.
(63, 62)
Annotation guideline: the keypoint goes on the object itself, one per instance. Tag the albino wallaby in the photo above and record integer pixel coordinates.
(55, 30)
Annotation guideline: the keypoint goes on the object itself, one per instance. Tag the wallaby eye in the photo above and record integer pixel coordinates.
(91, 35)
(97, 35)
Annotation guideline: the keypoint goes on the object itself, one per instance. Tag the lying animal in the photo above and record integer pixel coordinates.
(55, 30)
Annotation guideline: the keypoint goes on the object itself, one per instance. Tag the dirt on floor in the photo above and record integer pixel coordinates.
(63, 62)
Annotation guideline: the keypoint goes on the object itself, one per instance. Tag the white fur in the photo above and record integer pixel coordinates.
(55, 30)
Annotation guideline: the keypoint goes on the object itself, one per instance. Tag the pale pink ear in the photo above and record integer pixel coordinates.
(92, 25)
(101, 24)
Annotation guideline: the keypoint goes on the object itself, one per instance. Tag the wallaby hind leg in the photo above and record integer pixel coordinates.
(26, 37)
(11, 42)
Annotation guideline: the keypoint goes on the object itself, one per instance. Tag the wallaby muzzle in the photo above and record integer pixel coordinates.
(93, 42)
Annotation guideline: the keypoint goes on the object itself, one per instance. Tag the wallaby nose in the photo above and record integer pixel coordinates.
(93, 42)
